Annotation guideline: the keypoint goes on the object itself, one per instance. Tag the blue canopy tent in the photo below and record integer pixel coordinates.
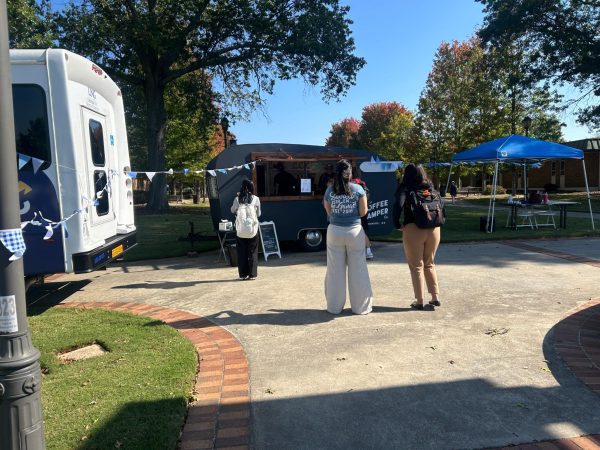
(520, 150)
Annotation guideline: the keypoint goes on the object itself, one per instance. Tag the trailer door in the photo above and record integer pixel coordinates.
(98, 173)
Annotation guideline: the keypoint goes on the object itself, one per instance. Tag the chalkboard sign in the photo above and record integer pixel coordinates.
(268, 238)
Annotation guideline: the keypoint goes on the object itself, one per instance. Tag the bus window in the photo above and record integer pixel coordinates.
(32, 137)
(99, 185)
(97, 141)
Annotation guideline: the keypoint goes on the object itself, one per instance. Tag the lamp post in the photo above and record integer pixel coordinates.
(225, 128)
(21, 423)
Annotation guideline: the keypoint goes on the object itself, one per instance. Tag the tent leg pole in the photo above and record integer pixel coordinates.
(449, 175)
(587, 189)
(492, 206)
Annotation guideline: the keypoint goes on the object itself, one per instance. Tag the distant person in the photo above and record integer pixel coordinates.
(453, 191)
(284, 182)
(326, 178)
(420, 244)
(345, 203)
(246, 207)
(363, 219)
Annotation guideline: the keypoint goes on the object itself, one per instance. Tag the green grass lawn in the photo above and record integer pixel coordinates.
(134, 397)
(462, 224)
(158, 234)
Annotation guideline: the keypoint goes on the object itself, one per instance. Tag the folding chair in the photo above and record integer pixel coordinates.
(549, 215)
(526, 216)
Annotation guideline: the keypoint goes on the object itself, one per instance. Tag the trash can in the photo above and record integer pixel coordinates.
(232, 252)
(483, 222)
(195, 199)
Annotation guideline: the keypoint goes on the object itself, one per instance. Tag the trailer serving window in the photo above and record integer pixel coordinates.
(31, 122)
(295, 176)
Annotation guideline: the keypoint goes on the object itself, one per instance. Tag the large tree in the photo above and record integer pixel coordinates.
(474, 94)
(245, 45)
(561, 39)
(385, 128)
(344, 133)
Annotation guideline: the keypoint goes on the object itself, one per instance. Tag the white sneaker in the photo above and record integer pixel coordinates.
(369, 253)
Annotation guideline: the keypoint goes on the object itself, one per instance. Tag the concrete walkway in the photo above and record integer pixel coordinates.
(480, 371)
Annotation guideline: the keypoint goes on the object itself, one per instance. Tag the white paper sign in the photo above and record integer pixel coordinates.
(8, 315)
(305, 185)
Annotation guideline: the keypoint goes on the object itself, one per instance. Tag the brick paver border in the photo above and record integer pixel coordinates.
(219, 415)
(556, 253)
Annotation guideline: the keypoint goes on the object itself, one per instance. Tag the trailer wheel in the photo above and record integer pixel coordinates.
(312, 240)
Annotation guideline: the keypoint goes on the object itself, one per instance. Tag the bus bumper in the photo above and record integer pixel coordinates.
(101, 256)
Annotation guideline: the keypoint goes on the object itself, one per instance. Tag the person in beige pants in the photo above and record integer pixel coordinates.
(420, 244)
(345, 203)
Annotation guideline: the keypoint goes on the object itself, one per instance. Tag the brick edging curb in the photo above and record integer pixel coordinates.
(555, 253)
(219, 415)
(577, 342)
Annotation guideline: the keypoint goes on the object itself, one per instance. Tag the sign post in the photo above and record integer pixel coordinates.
(268, 239)
(21, 425)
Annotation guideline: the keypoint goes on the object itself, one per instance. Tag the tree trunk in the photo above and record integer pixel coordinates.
(155, 133)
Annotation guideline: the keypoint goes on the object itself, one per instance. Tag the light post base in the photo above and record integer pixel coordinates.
(21, 427)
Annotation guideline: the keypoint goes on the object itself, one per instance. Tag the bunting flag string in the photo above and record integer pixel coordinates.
(37, 163)
(212, 172)
(14, 242)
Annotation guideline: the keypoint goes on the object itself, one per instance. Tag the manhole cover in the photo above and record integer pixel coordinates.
(89, 351)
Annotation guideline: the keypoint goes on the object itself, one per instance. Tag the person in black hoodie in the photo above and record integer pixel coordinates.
(420, 244)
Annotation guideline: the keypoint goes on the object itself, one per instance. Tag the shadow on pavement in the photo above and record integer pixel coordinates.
(467, 414)
(171, 284)
(41, 297)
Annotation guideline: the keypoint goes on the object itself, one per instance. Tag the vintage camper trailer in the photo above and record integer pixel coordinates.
(297, 212)
(72, 144)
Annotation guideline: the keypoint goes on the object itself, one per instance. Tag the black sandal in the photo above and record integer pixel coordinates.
(435, 303)
(418, 306)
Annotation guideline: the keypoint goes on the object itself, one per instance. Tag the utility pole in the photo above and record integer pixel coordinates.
(21, 423)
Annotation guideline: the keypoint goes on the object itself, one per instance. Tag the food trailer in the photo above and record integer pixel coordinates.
(297, 213)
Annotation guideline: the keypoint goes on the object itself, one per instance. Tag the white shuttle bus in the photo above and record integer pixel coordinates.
(72, 145)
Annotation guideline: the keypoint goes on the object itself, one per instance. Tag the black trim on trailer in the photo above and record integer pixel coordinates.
(95, 259)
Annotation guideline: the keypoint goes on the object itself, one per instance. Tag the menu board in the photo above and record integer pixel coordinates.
(268, 239)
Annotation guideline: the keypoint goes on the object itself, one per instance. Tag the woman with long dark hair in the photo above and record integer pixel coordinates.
(420, 244)
(345, 203)
(246, 204)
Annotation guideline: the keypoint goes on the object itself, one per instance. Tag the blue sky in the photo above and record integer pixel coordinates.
(398, 38)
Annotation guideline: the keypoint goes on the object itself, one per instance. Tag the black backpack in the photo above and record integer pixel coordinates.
(428, 210)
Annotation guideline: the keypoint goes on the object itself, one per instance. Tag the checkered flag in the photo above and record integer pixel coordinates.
(14, 243)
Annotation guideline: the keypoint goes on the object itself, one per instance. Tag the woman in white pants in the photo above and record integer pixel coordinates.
(345, 203)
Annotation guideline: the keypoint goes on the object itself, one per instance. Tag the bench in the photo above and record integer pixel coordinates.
(469, 190)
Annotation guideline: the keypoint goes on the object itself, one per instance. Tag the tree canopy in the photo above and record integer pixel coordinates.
(243, 45)
(344, 133)
(30, 24)
(385, 128)
(562, 39)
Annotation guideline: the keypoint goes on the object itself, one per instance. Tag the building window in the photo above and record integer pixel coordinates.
(32, 135)
(97, 143)
(553, 169)
(100, 181)
(562, 167)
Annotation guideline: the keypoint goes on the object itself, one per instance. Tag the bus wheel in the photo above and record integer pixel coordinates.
(312, 240)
